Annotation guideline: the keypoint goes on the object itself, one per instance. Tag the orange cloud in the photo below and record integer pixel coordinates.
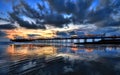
(23, 33)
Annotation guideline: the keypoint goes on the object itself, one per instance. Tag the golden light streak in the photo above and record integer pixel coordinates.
(24, 33)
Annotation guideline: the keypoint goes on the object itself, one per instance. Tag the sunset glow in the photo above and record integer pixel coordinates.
(24, 33)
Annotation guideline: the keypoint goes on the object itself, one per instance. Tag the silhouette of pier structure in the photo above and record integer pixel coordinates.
(77, 40)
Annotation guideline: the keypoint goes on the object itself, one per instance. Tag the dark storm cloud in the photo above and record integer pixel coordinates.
(7, 26)
(30, 12)
(63, 34)
(23, 23)
(78, 8)
(106, 30)
(100, 15)
(108, 23)
(4, 19)
(70, 6)
(23, 9)
(96, 12)
(56, 20)
(41, 17)
(49, 17)
(115, 24)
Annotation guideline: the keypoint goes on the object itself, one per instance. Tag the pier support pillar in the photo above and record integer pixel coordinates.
(85, 40)
(93, 40)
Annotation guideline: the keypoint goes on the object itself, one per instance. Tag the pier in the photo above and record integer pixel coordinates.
(77, 40)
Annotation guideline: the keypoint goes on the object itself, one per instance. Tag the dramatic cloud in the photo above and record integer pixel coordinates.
(25, 24)
(63, 34)
(40, 17)
(7, 26)
(78, 8)
(57, 20)
(95, 15)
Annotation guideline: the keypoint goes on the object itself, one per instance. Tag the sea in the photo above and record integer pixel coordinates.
(59, 59)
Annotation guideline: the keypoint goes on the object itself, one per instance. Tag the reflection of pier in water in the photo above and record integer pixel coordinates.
(17, 52)
(37, 56)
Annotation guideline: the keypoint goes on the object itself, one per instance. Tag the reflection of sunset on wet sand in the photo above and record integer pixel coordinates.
(89, 50)
(75, 48)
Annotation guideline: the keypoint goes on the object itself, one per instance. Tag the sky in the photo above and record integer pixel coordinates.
(58, 18)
